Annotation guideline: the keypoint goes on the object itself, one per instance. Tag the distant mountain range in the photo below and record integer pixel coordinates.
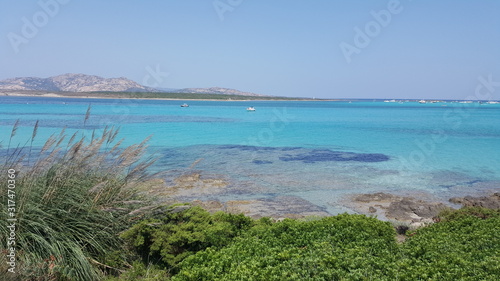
(91, 83)
(74, 83)
(215, 90)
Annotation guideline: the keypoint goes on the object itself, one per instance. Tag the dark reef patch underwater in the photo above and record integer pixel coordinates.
(311, 155)
(323, 155)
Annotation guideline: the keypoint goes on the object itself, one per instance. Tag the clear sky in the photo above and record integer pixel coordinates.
(322, 48)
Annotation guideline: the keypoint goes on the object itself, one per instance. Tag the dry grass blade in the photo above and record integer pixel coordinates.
(48, 144)
(12, 134)
(112, 136)
(73, 152)
(98, 187)
(46, 161)
(105, 132)
(141, 210)
(63, 131)
(130, 202)
(115, 209)
(105, 265)
(129, 155)
(61, 137)
(87, 115)
(35, 130)
(72, 138)
(14, 129)
(139, 171)
(33, 136)
(116, 146)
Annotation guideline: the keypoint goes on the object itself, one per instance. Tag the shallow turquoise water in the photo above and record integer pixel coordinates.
(319, 151)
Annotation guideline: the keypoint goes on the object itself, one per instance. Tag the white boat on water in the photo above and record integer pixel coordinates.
(251, 108)
(422, 101)
(184, 105)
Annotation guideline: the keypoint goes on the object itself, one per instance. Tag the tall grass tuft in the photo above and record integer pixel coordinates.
(71, 203)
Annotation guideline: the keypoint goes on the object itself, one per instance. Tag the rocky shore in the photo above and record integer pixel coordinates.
(490, 202)
(414, 211)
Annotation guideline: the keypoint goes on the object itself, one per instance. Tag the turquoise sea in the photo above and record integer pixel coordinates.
(318, 151)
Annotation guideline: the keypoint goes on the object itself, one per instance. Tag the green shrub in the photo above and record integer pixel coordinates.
(140, 271)
(477, 212)
(344, 246)
(174, 235)
(465, 245)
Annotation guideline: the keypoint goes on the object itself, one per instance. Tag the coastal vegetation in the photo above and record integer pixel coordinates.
(82, 216)
(70, 199)
(149, 95)
(464, 245)
(189, 96)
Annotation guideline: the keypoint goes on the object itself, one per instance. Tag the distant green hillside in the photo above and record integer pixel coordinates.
(189, 96)
(145, 95)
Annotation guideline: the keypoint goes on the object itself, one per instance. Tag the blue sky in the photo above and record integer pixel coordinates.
(416, 49)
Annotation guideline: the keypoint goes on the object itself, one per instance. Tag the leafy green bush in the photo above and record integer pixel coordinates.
(465, 245)
(141, 271)
(477, 212)
(344, 246)
(170, 237)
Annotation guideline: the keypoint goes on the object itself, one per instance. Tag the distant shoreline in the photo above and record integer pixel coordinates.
(202, 97)
(151, 96)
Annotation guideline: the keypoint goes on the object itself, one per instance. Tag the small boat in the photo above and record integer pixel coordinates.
(422, 101)
(184, 105)
(251, 108)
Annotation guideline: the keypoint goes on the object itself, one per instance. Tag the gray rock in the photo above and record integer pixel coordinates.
(74, 83)
(490, 202)
(410, 208)
(379, 196)
(401, 229)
